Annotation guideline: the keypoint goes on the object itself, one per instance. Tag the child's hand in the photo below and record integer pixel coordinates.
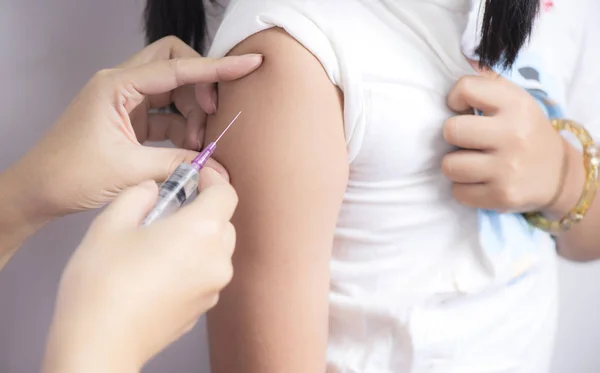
(511, 158)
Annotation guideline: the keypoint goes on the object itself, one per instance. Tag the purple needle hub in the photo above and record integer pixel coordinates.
(204, 155)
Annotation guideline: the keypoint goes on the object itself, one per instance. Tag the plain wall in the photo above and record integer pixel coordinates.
(49, 50)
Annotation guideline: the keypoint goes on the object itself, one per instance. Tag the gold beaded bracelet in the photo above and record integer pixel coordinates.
(591, 163)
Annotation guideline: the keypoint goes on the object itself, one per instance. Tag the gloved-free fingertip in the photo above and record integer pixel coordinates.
(212, 163)
(257, 58)
(209, 176)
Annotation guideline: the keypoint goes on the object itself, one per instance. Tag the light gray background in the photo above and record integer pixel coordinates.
(49, 49)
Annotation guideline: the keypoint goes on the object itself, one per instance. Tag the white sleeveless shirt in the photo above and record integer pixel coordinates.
(411, 289)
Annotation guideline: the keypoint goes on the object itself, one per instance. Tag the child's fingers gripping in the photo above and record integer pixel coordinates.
(484, 93)
(473, 132)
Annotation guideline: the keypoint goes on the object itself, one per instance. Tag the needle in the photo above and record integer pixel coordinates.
(227, 128)
(205, 154)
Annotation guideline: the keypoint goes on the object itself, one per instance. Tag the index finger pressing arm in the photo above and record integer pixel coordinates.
(164, 76)
(158, 77)
(166, 48)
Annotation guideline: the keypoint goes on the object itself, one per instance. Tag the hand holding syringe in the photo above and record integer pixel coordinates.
(182, 183)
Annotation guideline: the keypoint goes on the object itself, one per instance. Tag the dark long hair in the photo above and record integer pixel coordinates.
(506, 26)
(185, 19)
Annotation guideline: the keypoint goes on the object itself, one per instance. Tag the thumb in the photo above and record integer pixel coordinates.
(130, 207)
(209, 178)
(217, 200)
(158, 163)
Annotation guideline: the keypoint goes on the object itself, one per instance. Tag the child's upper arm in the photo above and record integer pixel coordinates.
(287, 159)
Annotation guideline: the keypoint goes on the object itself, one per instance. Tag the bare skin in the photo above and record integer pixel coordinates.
(287, 160)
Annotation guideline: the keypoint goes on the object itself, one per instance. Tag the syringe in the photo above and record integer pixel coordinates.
(182, 183)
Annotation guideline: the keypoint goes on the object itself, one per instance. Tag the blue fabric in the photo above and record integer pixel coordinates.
(510, 245)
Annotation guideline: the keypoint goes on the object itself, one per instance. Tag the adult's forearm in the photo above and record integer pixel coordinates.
(76, 362)
(73, 346)
(82, 359)
(18, 218)
(582, 241)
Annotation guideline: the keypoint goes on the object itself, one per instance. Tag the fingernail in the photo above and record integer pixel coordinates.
(255, 57)
(213, 174)
(216, 166)
(210, 176)
(215, 98)
(221, 172)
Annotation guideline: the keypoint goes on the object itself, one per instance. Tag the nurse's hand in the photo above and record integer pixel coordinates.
(129, 291)
(512, 157)
(93, 152)
(193, 101)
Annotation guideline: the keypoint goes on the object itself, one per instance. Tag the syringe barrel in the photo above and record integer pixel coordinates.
(174, 192)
